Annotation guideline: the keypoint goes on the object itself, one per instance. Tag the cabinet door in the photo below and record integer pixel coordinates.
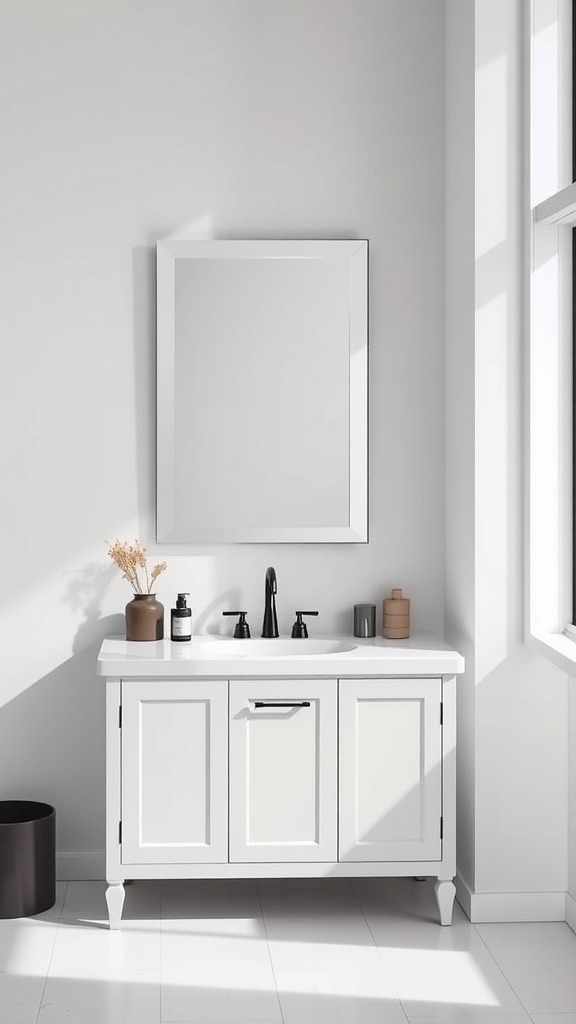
(283, 770)
(174, 772)
(390, 769)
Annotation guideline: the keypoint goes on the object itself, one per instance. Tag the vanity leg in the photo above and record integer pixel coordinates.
(445, 893)
(115, 900)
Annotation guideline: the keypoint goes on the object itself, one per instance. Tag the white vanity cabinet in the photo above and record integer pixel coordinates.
(227, 768)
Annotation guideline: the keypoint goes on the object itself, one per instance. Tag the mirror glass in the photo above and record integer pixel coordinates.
(262, 391)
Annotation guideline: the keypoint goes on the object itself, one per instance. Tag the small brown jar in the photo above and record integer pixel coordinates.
(144, 618)
(396, 616)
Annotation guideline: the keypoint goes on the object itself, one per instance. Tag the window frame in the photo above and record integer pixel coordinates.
(550, 146)
(573, 261)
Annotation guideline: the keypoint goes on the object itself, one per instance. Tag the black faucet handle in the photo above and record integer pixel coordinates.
(300, 629)
(241, 629)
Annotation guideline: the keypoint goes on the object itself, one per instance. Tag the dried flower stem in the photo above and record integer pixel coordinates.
(130, 558)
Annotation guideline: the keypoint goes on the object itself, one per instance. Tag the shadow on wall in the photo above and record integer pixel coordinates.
(52, 734)
(85, 593)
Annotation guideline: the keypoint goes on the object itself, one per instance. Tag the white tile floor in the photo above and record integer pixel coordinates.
(293, 951)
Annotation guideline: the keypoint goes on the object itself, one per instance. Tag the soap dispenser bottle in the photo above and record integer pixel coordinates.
(181, 620)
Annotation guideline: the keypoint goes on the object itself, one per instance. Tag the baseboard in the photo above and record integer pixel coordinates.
(464, 895)
(80, 866)
(486, 907)
(571, 911)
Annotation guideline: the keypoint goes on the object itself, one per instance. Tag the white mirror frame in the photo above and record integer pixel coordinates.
(355, 253)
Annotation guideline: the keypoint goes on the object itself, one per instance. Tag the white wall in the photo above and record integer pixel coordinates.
(512, 756)
(122, 121)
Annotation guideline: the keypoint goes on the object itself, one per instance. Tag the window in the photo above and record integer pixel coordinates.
(551, 591)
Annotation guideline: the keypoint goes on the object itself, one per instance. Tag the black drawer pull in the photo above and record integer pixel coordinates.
(282, 704)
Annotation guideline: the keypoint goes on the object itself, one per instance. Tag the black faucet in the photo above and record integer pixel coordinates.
(270, 624)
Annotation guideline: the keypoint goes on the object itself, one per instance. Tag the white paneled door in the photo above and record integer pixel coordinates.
(174, 772)
(390, 770)
(283, 770)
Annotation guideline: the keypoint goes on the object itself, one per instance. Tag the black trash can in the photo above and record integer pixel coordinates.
(27, 858)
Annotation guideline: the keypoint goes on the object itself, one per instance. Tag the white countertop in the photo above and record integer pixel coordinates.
(421, 655)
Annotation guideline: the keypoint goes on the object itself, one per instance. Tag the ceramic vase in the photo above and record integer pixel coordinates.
(144, 618)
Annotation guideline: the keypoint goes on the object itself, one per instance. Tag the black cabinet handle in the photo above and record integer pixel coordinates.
(282, 704)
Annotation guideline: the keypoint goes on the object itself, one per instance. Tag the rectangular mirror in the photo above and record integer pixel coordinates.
(262, 391)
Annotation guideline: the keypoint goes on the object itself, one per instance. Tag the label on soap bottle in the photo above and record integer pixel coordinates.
(182, 626)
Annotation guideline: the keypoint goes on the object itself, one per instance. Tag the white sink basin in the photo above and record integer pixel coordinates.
(279, 648)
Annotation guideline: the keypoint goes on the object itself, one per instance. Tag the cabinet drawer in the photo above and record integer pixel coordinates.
(283, 770)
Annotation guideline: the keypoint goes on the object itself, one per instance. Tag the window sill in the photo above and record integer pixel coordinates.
(559, 208)
(558, 648)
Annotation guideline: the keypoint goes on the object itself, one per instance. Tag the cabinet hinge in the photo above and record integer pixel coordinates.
(441, 712)
(120, 833)
(441, 828)
(120, 717)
